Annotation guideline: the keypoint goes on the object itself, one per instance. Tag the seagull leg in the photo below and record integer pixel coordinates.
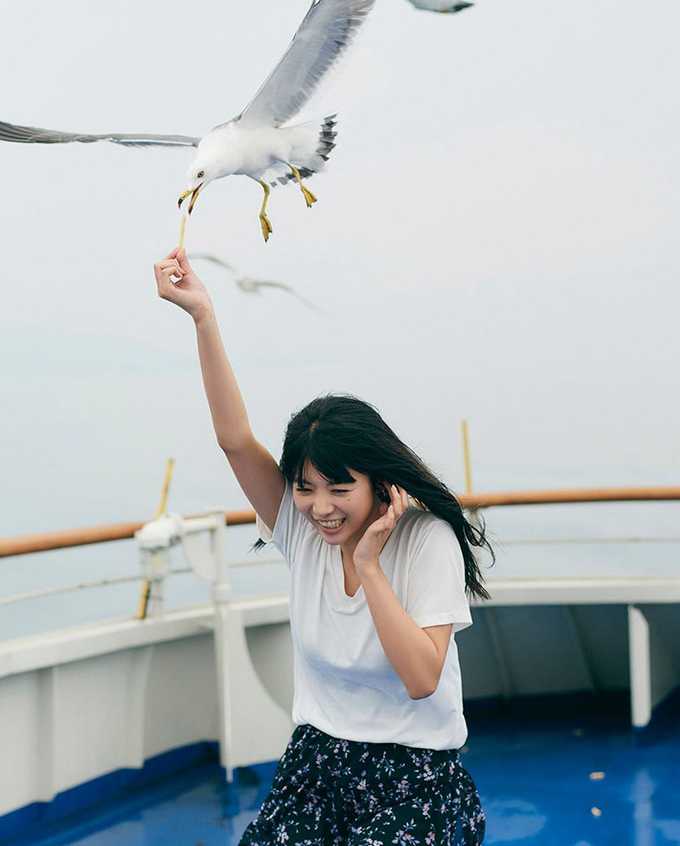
(264, 220)
(306, 193)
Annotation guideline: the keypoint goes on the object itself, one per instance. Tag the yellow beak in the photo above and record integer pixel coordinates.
(194, 196)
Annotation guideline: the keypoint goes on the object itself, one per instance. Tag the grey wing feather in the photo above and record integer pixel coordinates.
(326, 30)
(36, 135)
(282, 285)
(213, 259)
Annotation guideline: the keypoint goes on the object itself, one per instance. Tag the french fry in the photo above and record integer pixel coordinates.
(181, 231)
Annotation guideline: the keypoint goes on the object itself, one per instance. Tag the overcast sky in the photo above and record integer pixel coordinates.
(495, 239)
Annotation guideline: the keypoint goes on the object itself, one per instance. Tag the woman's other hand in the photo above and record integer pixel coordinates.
(178, 283)
(367, 552)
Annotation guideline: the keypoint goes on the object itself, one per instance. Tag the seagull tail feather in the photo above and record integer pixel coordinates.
(327, 137)
(325, 142)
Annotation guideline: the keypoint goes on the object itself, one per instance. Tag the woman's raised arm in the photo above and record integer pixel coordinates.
(255, 468)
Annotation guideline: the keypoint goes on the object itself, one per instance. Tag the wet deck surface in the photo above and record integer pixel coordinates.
(545, 780)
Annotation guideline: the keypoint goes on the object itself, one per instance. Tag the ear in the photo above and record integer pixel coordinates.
(382, 492)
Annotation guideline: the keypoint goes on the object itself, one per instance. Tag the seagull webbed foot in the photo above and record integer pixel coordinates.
(306, 193)
(266, 225)
(264, 220)
(309, 197)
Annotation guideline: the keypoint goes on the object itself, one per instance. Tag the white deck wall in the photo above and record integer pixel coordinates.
(80, 703)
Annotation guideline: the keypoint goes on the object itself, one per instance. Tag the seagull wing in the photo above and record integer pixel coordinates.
(35, 135)
(327, 29)
(270, 283)
(214, 260)
(250, 284)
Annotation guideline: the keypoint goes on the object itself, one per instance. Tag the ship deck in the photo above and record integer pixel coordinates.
(556, 774)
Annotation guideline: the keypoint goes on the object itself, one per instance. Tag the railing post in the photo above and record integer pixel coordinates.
(640, 668)
(154, 540)
(221, 593)
(253, 727)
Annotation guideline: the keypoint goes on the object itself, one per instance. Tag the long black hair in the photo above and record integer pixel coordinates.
(337, 433)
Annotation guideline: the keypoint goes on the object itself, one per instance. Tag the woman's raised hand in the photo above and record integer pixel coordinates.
(178, 283)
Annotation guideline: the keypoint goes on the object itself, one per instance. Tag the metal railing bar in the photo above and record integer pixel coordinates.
(115, 580)
(39, 594)
(250, 562)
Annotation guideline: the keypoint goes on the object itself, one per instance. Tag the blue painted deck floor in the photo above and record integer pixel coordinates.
(569, 779)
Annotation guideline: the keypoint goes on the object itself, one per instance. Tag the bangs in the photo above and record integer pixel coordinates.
(325, 460)
(335, 434)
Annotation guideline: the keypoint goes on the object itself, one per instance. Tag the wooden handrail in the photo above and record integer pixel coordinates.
(122, 531)
(481, 500)
(93, 534)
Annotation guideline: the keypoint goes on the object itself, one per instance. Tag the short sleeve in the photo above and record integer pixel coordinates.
(263, 530)
(287, 529)
(436, 578)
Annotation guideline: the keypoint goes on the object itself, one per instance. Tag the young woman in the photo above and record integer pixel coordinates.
(380, 564)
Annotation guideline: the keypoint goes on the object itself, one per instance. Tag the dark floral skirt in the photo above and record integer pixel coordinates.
(330, 792)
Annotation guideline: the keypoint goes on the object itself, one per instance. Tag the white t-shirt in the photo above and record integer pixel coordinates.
(344, 684)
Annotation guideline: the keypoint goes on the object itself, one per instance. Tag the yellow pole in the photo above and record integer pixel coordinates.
(144, 600)
(166, 487)
(466, 457)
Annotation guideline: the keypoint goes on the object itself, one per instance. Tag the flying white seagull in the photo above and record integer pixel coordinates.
(259, 142)
(250, 284)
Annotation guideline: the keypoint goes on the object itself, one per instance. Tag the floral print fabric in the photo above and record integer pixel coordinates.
(330, 792)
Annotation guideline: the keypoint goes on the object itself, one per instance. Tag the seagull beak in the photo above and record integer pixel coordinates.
(194, 196)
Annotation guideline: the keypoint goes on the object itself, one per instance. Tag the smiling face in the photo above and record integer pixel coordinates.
(340, 512)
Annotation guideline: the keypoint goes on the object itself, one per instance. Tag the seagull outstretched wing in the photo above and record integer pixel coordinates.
(251, 284)
(214, 259)
(36, 135)
(326, 30)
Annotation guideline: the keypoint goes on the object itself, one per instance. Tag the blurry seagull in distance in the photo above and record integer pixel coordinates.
(259, 142)
(445, 6)
(250, 284)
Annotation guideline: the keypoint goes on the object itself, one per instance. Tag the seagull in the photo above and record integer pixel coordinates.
(250, 284)
(260, 142)
(440, 5)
